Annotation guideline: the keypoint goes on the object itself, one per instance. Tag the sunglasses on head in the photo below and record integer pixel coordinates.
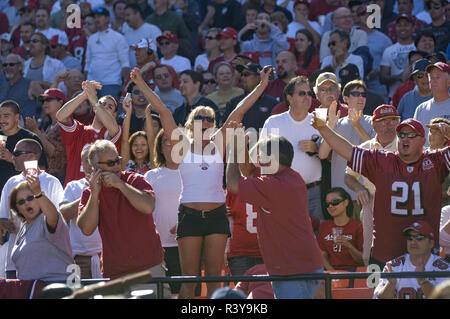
(408, 135)
(23, 201)
(18, 153)
(210, 81)
(112, 163)
(331, 43)
(334, 202)
(204, 118)
(358, 94)
(303, 93)
(10, 64)
(417, 237)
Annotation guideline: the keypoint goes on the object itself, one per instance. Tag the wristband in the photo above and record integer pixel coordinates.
(38, 195)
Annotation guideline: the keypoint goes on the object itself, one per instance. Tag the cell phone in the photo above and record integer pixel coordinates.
(272, 74)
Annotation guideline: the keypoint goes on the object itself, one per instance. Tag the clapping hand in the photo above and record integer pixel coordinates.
(136, 76)
(31, 124)
(333, 116)
(354, 116)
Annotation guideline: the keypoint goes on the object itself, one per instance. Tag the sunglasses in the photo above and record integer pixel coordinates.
(10, 64)
(35, 40)
(23, 201)
(358, 94)
(204, 118)
(334, 202)
(303, 93)
(417, 237)
(112, 163)
(420, 75)
(408, 135)
(331, 43)
(210, 38)
(210, 81)
(18, 153)
(164, 43)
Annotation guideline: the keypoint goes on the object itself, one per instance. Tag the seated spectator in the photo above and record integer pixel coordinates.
(49, 133)
(340, 239)
(256, 289)
(439, 26)
(42, 20)
(17, 87)
(70, 81)
(267, 41)
(286, 70)
(212, 50)
(404, 7)
(209, 83)
(425, 42)
(301, 22)
(305, 52)
(228, 45)
(223, 72)
(86, 250)
(421, 92)
(270, 6)
(27, 15)
(168, 44)
(419, 243)
(26, 31)
(339, 45)
(250, 12)
(42, 248)
(6, 46)
(58, 50)
(280, 21)
(165, 87)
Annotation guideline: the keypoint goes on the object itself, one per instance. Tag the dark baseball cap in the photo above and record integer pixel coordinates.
(102, 11)
(252, 67)
(412, 123)
(420, 66)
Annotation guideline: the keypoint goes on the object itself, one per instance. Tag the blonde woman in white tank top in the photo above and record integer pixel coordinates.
(190, 246)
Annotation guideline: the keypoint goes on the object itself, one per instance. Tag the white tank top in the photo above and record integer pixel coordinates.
(202, 178)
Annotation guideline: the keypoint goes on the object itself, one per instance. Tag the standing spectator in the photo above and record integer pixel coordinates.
(120, 204)
(212, 44)
(26, 31)
(294, 126)
(13, 11)
(86, 250)
(70, 81)
(421, 92)
(342, 19)
(395, 57)
(439, 105)
(164, 87)
(119, 15)
(281, 221)
(420, 240)
(439, 26)
(305, 51)
(340, 239)
(223, 13)
(25, 150)
(228, 45)
(58, 50)
(75, 135)
(43, 24)
(137, 115)
(425, 42)
(301, 11)
(267, 41)
(166, 183)
(50, 135)
(136, 29)
(190, 87)
(286, 70)
(167, 20)
(168, 44)
(17, 87)
(107, 59)
(404, 7)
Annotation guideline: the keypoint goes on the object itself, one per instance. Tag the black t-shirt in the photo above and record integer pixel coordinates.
(7, 169)
(136, 123)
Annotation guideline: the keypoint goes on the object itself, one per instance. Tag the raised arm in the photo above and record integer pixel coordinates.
(64, 113)
(150, 134)
(125, 146)
(47, 207)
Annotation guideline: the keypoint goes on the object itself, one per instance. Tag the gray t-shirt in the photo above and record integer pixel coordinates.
(429, 110)
(35, 74)
(338, 163)
(39, 254)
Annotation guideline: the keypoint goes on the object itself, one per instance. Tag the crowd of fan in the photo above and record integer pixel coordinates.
(131, 71)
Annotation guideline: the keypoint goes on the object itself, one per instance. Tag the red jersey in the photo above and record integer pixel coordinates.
(77, 44)
(275, 89)
(285, 235)
(244, 240)
(75, 137)
(404, 194)
(129, 237)
(313, 65)
(339, 256)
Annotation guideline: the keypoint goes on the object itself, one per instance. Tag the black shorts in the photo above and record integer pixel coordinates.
(195, 223)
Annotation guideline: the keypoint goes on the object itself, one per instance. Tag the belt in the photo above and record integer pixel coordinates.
(200, 213)
(311, 185)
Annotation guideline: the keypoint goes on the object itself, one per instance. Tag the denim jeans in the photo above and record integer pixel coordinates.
(298, 289)
(314, 202)
(239, 265)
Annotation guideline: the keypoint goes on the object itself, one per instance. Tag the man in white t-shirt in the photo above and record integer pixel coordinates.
(395, 56)
(168, 44)
(301, 21)
(294, 126)
(85, 249)
(25, 150)
(419, 243)
(136, 29)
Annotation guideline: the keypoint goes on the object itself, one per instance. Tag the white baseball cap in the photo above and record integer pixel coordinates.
(5, 36)
(145, 43)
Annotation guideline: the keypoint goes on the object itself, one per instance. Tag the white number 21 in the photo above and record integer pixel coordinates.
(403, 198)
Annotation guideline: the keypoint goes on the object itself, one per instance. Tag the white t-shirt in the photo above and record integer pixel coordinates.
(52, 188)
(409, 288)
(444, 237)
(201, 60)
(147, 31)
(166, 184)
(353, 59)
(179, 63)
(309, 167)
(294, 26)
(81, 244)
(395, 57)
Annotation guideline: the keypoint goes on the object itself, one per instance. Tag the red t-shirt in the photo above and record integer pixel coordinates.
(77, 44)
(404, 194)
(286, 239)
(338, 255)
(313, 65)
(244, 240)
(129, 237)
(75, 137)
(275, 89)
(402, 90)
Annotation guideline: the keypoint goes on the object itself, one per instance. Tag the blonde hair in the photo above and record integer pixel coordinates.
(199, 109)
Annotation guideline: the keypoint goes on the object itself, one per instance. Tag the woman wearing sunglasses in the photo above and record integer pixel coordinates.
(340, 239)
(202, 219)
(42, 249)
(212, 50)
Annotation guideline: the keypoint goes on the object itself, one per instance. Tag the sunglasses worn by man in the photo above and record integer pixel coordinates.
(111, 163)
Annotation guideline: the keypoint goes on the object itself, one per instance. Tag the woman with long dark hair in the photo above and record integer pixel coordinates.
(308, 59)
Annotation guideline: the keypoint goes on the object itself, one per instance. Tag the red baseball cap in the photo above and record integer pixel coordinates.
(228, 32)
(305, 2)
(59, 39)
(412, 123)
(53, 93)
(421, 227)
(405, 16)
(440, 65)
(385, 111)
(169, 35)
